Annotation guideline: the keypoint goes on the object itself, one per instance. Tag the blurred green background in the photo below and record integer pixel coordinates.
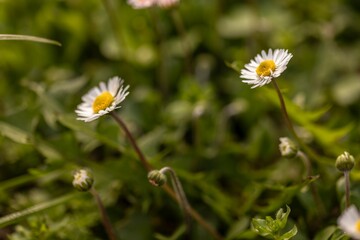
(187, 108)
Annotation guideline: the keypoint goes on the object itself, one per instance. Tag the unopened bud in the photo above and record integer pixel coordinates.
(157, 178)
(83, 180)
(288, 148)
(345, 162)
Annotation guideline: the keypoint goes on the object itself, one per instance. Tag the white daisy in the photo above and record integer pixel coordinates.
(287, 148)
(83, 180)
(265, 66)
(166, 3)
(349, 222)
(137, 4)
(102, 100)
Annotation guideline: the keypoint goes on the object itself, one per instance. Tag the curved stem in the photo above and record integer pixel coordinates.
(347, 189)
(104, 217)
(183, 202)
(167, 189)
(313, 188)
(305, 159)
(195, 215)
(306, 162)
(289, 123)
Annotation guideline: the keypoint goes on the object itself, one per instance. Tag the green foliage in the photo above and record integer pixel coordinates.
(187, 109)
(271, 228)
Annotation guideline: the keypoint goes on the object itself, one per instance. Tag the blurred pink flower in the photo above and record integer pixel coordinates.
(142, 3)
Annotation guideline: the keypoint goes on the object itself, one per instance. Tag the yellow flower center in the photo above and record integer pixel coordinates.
(102, 101)
(357, 225)
(266, 68)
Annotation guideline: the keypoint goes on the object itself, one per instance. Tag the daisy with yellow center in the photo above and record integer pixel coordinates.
(102, 99)
(349, 222)
(265, 66)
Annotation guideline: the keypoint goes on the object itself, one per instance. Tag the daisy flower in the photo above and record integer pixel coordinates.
(141, 3)
(83, 180)
(166, 3)
(287, 148)
(102, 100)
(265, 66)
(349, 222)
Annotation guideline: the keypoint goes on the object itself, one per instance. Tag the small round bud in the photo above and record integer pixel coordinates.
(345, 162)
(288, 148)
(83, 180)
(157, 178)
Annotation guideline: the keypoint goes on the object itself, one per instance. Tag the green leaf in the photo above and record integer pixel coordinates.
(260, 226)
(70, 122)
(325, 136)
(284, 195)
(282, 220)
(18, 216)
(289, 234)
(28, 38)
(176, 235)
(237, 228)
(14, 133)
(331, 233)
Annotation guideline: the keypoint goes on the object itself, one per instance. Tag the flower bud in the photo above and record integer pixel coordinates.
(288, 148)
(157, 178)
(345, 162)
(83, 180)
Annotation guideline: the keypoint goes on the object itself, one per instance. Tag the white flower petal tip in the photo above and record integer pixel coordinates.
(349, 222)
(265, 66)
(139, 4)
(102, 99)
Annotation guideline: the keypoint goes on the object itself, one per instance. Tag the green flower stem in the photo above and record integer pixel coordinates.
(104, 217)
(290, 125)
(167, 189)
(183, 202)
(347, 188)
(179, 25)
(308, 151)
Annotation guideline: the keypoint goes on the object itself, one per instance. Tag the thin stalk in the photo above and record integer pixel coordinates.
(128, 134)
(167, 189)
(314, 190)
(104, 217)
(306, 162)
(183, 202)
(347, 188)
(289, 123)
(195, 215)
(305, 159)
